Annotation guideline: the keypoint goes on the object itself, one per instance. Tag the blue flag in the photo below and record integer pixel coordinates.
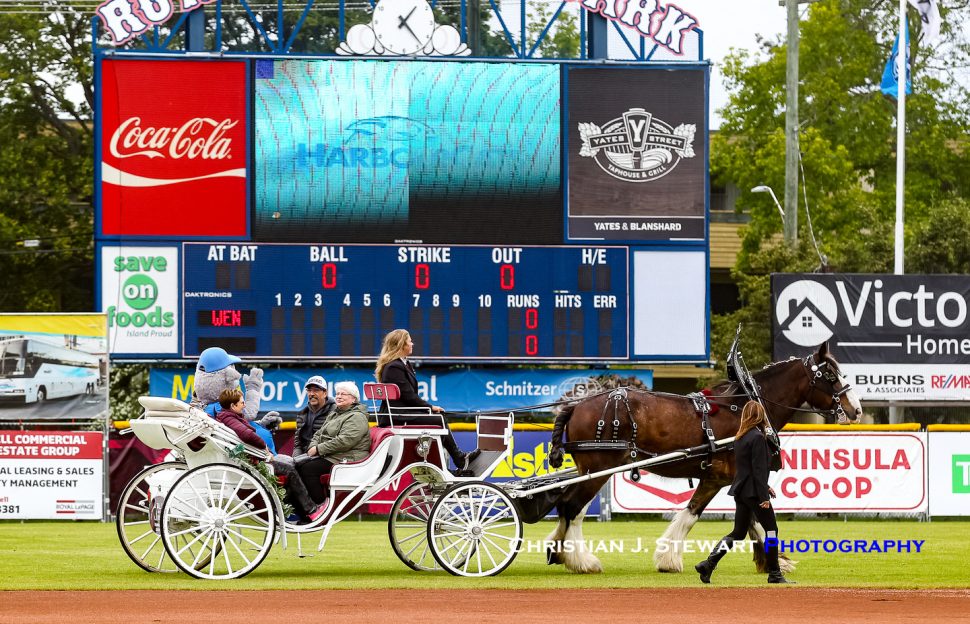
(890, 79)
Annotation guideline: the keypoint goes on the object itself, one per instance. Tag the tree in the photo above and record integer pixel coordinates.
(45, 161)
(847, 142)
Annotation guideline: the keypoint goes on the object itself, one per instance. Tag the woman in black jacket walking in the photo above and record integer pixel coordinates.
(751, 493)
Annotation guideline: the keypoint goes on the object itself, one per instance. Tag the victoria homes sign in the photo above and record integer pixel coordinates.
(898, 337)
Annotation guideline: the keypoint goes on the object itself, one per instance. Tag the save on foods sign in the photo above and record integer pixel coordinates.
(140, 295)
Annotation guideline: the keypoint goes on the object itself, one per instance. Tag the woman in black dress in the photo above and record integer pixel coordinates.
(751, 493)
(393, 367)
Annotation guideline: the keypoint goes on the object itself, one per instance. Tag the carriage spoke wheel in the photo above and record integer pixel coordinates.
(407, 526)
(218, 522)
(137, 517)
(474, 530)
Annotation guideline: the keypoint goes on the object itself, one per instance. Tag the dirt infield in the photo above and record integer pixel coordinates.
(702, 604)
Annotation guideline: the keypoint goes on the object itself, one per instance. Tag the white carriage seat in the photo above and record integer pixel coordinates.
(494, 441)
(152, 429)
(169, 423)
(385, 455)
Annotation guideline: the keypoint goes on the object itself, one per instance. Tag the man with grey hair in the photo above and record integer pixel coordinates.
(344, 437)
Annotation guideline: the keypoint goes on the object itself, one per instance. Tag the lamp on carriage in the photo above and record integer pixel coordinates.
(767, 189)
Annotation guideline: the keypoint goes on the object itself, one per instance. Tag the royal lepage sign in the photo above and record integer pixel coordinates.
(173, 148)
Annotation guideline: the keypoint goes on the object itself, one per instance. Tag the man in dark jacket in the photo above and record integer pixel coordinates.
(319, 407)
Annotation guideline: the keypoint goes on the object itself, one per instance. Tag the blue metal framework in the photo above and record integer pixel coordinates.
(166, 39)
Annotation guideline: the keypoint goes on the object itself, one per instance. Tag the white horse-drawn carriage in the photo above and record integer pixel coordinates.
(212, 514)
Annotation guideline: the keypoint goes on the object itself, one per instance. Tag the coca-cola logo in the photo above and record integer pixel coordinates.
(197, 138)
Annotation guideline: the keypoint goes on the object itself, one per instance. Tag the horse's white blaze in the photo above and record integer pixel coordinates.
(671, 560)
(576, 557)
(853, 400)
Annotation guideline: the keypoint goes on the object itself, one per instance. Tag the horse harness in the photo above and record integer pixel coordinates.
(617, 397)
(822, 370)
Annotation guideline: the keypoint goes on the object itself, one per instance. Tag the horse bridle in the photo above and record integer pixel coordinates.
(823, 370)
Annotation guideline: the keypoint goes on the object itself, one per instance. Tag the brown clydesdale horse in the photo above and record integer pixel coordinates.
(667, 423)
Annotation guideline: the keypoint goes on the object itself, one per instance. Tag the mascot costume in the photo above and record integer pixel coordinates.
(216, 372)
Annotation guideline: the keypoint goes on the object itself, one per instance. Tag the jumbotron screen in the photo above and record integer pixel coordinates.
(417, 151)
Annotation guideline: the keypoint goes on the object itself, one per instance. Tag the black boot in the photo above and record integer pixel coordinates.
(706, 568)
(774, 568)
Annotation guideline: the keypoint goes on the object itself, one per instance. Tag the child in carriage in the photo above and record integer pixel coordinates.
(233, 416)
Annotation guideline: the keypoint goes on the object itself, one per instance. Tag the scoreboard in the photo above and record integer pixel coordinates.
(278, 301)
(299, 209)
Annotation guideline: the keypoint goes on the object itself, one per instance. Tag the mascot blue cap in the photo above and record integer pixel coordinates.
(215, 359)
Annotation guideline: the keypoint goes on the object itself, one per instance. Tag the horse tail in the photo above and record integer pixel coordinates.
(555, 450)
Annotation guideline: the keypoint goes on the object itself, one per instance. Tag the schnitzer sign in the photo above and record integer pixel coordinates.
(898, 337)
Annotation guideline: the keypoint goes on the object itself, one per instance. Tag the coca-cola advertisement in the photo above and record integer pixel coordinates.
(173, 148)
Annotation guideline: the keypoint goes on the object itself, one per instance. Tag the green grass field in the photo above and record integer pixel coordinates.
(87, 556)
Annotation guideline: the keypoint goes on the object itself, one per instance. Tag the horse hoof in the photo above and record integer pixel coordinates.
(553, 557)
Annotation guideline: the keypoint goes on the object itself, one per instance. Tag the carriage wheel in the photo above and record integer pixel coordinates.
(407, 526)
(474, 530)
(218, 522)
(137, 520)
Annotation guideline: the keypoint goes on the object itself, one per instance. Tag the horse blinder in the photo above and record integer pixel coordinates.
(822, 370)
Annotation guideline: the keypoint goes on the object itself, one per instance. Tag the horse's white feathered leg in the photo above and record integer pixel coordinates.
(553, 542)
(671, 559)
(576, 555)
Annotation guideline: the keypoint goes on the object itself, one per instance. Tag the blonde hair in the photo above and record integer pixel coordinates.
(393, 348)
(753, 415)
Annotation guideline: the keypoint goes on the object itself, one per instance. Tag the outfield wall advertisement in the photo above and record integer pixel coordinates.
(51, 475)
(140, 295)
(456, 390)
(897, 337)
(53, 367)
(949, 473)
(864, 472)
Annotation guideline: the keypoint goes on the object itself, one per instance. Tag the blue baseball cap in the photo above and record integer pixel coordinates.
(215, 359)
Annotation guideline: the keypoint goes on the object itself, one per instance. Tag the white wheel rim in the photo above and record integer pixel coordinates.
(218, 522)
(475, 530)
(140, 539)
(409, 527)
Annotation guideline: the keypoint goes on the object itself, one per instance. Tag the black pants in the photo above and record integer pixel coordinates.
(296, 490)
(744, 509)
(447, 441)
(311, 472)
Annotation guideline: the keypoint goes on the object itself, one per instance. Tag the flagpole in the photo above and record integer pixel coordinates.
(902, 53)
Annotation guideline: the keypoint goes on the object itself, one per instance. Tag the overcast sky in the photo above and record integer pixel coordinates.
(736, 24)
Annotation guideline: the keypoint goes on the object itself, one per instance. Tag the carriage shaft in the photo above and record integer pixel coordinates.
(673, 456)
